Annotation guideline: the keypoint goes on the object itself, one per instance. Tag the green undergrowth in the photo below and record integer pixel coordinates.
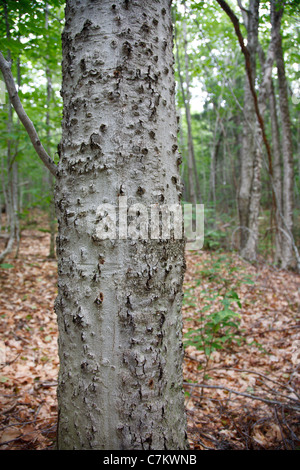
(216, 307)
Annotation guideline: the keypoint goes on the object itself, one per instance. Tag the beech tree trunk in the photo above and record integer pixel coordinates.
(187, 102)
(50, 177)
(288, 259)
(119, 300)
(185, 90)
(277, 175)
(11, 190)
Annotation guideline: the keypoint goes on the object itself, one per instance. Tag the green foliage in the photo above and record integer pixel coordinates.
(216, 325)
(216, 69)
(217, 329)
(35, 51)
(6, 266)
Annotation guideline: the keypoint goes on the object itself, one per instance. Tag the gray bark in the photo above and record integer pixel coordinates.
(12, 172)
(15, 100)
(250, 167)
(187, 102)
(50, 177)
(10, 193)
(119, 301)
(192, 196)
(288, 259)
(277, 174)
(250, 248)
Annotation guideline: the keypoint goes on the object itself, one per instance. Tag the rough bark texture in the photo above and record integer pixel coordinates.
(119, 301)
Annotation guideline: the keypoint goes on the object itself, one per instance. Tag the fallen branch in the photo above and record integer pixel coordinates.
(259, 374)
(10, 362)
(247, 395)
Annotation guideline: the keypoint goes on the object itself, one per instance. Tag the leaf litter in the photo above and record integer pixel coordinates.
(245, 396)
(242, 396)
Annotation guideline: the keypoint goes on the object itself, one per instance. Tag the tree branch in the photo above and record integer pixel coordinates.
(246, 53)
(245, 13)
(15, 100)
(292, 406)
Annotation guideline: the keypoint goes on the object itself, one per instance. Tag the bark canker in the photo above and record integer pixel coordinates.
(119, 302)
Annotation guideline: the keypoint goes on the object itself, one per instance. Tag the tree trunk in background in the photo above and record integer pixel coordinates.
(192, 196)
(288, 259)
(277, 174)
(119, 301)
(187, 102)
(11, 190)
(215, 145)
(250, 248)
(15, 173)
(50, 177)
(250, 167)
(212, 168)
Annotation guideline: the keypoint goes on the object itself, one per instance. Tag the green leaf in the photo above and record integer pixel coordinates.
(6, 266)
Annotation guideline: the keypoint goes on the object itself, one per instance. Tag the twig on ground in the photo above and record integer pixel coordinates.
(247, 395)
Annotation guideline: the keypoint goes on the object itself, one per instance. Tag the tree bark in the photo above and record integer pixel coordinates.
(277, 175)
(192, 196)
(250, 166)
(12, 172)
(119, 300)
(288, 259)
(189, 119)
(250, 249)
(50, 177)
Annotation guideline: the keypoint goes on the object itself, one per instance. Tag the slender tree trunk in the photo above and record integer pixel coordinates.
(50, 177)
(212, 172)
(249, 153)
(213, 160)
(288, 259)
(12, 178)
(250, 248)
(15, 172)
(190, 147)
(277, 174)
(182, 148)
(119, 300)
(10, 193)
(4, 189)
(189, 119)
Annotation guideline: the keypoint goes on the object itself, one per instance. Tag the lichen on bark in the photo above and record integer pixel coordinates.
(119, 301)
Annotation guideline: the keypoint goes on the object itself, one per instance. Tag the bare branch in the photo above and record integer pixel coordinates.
(292, 406)
(245, 13)
(15, 100)
(246, 53)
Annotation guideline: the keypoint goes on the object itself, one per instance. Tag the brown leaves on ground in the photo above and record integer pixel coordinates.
(244, 396)
(222, 413)
(28, 346)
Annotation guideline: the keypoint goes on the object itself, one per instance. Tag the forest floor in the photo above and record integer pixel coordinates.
(245, 395)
